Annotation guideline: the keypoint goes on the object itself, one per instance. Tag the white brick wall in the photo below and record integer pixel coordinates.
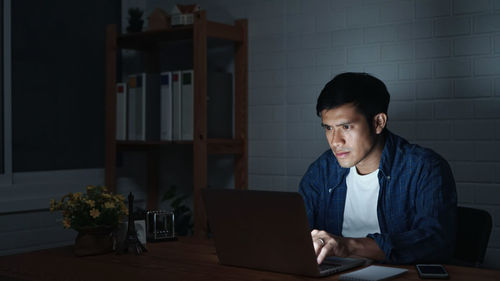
(434, 89)
(433, 48)
(432, 8)
(467, 6)
(472, 88)
(472, 45)
(452, 26)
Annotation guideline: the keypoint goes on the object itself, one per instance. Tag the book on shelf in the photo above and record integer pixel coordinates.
(144, 107)
(132, 104)
(166, 106)
(121, 111)
(187, 105)
(160, 106)
(176, 105)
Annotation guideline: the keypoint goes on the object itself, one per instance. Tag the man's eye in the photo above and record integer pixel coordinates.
(328, 128)
(346, 126)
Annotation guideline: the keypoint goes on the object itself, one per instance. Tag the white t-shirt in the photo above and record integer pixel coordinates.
(360, 212)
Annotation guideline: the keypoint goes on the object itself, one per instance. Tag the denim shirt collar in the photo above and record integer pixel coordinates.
(388, 154)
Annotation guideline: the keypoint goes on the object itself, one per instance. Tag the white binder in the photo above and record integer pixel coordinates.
(144, 107)
(176, 99)
(132, 108)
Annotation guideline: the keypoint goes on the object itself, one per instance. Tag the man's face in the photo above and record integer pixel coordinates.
(350, 138)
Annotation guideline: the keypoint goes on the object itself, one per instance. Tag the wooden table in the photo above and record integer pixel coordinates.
(186, 259)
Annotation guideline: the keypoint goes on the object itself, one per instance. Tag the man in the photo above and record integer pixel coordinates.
(373, 194)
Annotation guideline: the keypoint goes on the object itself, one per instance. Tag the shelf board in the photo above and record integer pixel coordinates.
(150, 38)
(224, 146)
(214, 146)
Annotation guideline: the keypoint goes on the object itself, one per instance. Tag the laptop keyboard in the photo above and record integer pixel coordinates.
(328, 267)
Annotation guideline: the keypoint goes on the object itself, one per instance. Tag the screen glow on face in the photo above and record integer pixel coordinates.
(349, 137)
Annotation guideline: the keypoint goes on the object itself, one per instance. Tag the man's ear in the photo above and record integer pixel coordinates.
(379, 122)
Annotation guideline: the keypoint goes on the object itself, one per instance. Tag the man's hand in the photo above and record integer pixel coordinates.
(326, 244)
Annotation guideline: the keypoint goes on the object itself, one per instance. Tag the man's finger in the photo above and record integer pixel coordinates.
(323, 253)
(317, 246)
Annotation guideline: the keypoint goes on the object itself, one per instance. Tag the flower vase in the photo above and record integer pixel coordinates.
(94, 241)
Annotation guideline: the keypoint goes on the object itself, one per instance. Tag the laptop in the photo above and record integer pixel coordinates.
(266, 230)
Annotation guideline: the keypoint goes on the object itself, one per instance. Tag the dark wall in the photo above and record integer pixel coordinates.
(58, 83)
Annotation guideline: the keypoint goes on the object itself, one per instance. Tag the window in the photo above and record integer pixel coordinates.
(58, 82)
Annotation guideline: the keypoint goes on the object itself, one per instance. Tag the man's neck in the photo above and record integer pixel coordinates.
(372, 160)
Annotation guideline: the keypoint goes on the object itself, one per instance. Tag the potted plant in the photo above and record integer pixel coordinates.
(95, 214)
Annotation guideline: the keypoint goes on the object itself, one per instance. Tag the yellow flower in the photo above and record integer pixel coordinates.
(94, 213)
(75, 207)
(124, 209)
(91, 203)
(109, 205)
(66, 223)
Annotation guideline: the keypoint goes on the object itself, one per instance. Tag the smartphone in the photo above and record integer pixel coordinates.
(435, 271)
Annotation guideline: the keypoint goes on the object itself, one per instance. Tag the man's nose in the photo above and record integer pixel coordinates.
(337, 140)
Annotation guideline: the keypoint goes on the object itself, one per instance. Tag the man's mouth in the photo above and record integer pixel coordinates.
(341, 154)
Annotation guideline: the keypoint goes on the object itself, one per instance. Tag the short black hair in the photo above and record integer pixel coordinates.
(367, 93)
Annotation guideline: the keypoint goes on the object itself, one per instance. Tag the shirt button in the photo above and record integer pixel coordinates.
(330, 190)
(388, 177)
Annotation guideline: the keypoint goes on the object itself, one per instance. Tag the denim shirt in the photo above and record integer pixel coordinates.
(416, 206)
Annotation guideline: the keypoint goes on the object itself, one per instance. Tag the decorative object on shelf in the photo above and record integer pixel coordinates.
(160, 225)
(182, 213)
(95, 215)
(131, 242)
(183, 14)
(135, 20)
(140, 226)
(158, 19)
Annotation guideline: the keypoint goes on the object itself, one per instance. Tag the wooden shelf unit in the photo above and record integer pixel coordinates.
(148, 42)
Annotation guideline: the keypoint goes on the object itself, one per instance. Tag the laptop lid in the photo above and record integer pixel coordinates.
(265, 230)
